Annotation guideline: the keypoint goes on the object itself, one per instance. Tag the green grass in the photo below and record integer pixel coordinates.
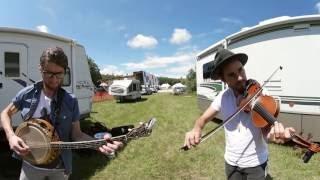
(158, 156)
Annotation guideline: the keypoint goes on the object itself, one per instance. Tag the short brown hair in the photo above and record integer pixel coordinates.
(54, 55)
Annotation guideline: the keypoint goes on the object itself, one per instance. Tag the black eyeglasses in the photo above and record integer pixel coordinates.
(58, 75)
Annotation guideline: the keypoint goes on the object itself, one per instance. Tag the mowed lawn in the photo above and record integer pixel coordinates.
(158, 156)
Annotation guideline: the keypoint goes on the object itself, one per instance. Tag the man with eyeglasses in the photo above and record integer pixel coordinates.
(63, 111)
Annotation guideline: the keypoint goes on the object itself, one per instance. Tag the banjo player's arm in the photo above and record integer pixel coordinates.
(15, 142)
(6, 116)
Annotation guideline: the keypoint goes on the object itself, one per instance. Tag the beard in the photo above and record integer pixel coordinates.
(240, 87)
(52, 86)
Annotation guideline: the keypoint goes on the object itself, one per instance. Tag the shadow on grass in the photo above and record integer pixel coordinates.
(129, 101)
(86, 163)
(269, 177)
(9, 167)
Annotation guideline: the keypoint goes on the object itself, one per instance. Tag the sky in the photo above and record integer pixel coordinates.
(161, 37)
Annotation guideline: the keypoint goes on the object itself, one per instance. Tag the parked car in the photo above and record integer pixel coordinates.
(154, 90)
(145, 90)
(178, 90)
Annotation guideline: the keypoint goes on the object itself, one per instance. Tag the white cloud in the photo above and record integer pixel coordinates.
(180, 36)
(141, 41)
(188, 48)
(176, 76)
(317, 6)
(231, 20)
(177, 71)
(42, 28)
(111, 69)
(182, 69)
(151, 62)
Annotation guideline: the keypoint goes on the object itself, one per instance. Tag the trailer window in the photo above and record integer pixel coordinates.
(207, 70)
(11, 64)
(67, 78)
(131, 87)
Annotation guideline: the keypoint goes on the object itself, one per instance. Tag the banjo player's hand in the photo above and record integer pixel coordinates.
(111, 146)
(18, 145)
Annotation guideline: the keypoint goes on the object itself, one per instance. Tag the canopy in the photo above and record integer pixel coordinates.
(178, 85)
(165, 86)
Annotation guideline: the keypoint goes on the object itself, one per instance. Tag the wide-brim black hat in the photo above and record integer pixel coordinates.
(223, 56)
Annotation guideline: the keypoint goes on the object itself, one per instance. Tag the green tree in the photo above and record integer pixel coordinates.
(191, 81)
(171, 81)
(94, 71)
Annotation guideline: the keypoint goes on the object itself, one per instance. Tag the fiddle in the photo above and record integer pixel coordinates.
(265, 109)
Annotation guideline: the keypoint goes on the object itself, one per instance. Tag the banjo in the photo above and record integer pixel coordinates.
(45, 146)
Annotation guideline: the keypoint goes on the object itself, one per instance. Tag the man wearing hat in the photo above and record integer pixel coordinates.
(246, 152)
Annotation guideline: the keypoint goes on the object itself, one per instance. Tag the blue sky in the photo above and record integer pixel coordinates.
(161, 37)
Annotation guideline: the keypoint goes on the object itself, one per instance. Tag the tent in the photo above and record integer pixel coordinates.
(165, 86)
(179, 85)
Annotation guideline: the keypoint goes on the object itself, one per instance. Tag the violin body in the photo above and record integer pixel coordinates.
(264, 108)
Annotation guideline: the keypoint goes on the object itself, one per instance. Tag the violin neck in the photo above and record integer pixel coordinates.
(264, 113)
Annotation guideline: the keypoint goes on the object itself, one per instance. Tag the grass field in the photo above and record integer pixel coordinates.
(158, 156)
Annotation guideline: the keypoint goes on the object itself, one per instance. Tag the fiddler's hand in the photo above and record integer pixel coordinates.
(279, 134)
(18, 145)
(192, 138)
(110, 147)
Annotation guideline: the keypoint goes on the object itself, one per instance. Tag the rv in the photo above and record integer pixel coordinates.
(290, 42)
(125, 89)
(20, 52)
(149, 82)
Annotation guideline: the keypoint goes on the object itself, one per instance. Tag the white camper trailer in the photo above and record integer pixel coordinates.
(20, 52)
(125, 89)
(291, 42)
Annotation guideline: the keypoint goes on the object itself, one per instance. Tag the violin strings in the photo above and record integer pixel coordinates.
(265, 114)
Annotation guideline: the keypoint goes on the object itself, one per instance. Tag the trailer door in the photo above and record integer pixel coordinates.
(13, 72)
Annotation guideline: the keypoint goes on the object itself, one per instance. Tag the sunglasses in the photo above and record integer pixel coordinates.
(58, 75)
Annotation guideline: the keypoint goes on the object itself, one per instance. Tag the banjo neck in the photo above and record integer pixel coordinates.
(92, 144)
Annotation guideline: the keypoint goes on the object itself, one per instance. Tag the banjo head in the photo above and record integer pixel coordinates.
(36, 134)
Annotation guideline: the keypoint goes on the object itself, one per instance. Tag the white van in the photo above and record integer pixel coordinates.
(125, 89)
(20, 52)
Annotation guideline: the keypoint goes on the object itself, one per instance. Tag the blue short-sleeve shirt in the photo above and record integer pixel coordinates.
(26, 101)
